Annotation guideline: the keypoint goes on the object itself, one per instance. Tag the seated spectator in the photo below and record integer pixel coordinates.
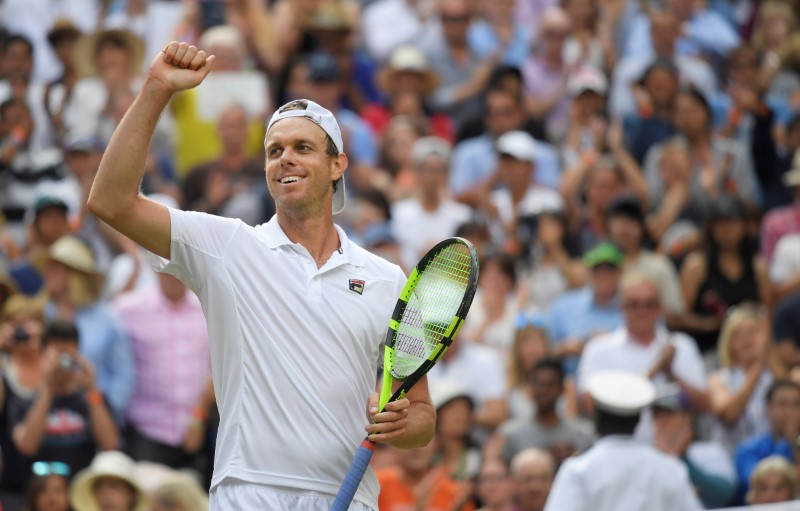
(71, 290)
(578, 315)
(652, 121)
(455, 454)
(784, 271)
(108, 484)
(727, 272)
(414, 482)
(784, 220)
(397, 176)
(530, 345)
(421, 221)
(498, 32)
(164, 321)
(516, 192)
(532, 472)
(643, 345)
(180, 492)
(493, 488)
(551, 264)
(783, 411)
(547, 429)
(62, 37)
(227, 185)
(675, 205)
(737, 390)
(590, 42)
(494, 311)
(68, 419)
(49, 488)
(710, 467)
(773, 480)
(389, 24)
(625, 222)
(586, 131)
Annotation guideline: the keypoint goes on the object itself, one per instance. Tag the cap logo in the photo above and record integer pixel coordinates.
(357, 286)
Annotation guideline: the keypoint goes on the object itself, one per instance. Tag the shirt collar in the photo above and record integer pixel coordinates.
(276, 237)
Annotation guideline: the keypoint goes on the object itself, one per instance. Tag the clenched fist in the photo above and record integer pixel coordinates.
(180, 66)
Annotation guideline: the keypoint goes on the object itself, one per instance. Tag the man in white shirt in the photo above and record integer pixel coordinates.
(619, 472)
(644, 346)
(295, 311)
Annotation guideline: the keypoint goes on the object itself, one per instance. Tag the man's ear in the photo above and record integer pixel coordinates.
(339, 165)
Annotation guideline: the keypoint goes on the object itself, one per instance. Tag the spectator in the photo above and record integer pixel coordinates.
(578, 315)
(586, 130)
(71, 288)
(493, 488)
(108, 484)
(226, 185)
(652, 120)
(786, 331)
(165, 323)
(397, 176)
(551, 266)
(68, 419)
(49, 488)
(773, 480)
(475, 160)
(462, 73)
(643, 345)
(625, 223)
(457, 455)
(590, 42)
(784, 271)
(675, 205)
(421, 221)
(710, 467)
(547, 74)
(63, 37)
(530, 345)
(783, 411)
(499, 32)
(617, 472)
(547, 429)
(727, 272)
(784, 220)
(737, 390)
(179, 493)
(389, 24)
(532, 471)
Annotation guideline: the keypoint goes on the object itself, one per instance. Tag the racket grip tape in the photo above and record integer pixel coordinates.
(354, 476)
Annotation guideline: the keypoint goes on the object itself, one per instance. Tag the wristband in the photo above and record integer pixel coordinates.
(94, 397)
(199, 414)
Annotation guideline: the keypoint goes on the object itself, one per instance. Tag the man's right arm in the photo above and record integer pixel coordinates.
(115, 196)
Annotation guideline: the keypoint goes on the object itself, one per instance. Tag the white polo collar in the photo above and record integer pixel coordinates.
(276, 238)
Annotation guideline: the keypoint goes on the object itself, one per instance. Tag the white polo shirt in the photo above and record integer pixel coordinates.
(294, 349)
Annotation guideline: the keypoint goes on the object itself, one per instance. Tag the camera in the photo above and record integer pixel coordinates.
(66, 362)
(20, 335)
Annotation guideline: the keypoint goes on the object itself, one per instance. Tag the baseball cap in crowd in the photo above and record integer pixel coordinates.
(792, 177)
(444, 391)
(587, 78)
(517, 144)
(48, 202)
(426, 147)
(604, 253)
(327, 122)
(620, 393)
(727, 207)
(323, 67)
(628, 206)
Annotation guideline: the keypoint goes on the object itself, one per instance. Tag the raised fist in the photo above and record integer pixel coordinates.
(180, 66)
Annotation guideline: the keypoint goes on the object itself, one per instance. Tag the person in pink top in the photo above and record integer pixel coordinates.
(169, 339)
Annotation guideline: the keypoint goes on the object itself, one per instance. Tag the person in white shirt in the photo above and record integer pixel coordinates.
(420, 222)
(294, 344)
(619, 472)
(644, 346)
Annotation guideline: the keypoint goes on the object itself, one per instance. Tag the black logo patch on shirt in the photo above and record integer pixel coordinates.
(357, 286)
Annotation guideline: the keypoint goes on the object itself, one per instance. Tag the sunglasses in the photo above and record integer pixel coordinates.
(641, 304)
(46, 468)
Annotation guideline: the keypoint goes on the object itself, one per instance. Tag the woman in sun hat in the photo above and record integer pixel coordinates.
(109, 484)
(71, 289)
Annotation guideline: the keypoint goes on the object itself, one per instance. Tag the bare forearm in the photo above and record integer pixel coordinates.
(731, 410)
(119, 176)
(420, 428)
(104, 429)
(28, 435)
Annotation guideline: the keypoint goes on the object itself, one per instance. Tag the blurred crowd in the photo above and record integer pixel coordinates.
(629, 171)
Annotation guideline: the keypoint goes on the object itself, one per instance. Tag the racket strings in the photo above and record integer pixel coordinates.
(431, 308)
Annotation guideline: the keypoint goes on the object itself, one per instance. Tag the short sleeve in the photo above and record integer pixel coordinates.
(688, 363)
(198, 243)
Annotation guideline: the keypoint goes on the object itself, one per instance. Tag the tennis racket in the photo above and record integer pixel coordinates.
(431, 309)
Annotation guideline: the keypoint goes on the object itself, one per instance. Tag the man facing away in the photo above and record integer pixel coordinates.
(294, 350)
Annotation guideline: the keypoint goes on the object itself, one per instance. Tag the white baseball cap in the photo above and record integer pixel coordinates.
(517, 144)
(587, 78)
(621, 393)
(325, 120)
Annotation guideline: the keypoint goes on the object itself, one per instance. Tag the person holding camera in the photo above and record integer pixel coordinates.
(69, 418)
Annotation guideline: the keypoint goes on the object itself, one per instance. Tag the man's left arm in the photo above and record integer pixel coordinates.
(406, 423)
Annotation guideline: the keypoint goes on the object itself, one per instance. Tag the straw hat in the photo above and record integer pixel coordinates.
(407, 59)
(105, 464)
(331, 16)
(86, 50)
(72, 252)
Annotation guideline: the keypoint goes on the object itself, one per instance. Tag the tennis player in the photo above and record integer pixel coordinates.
(296, 312)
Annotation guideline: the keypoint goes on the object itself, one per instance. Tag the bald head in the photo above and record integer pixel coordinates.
(532, 460)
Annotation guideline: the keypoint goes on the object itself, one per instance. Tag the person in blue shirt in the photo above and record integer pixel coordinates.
(783, 410)
(576, 316)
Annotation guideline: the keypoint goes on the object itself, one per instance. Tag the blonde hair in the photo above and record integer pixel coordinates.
(23, 307)
(181, 490)
(633, 278)
(516, 373)
(769, 10)
(732, 323)
(777, 464)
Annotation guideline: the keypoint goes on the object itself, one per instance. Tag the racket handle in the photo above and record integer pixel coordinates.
(354, 476)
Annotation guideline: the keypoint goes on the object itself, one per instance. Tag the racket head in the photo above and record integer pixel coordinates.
(429, 313)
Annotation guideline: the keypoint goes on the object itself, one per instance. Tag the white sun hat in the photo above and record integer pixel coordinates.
(105, 464)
